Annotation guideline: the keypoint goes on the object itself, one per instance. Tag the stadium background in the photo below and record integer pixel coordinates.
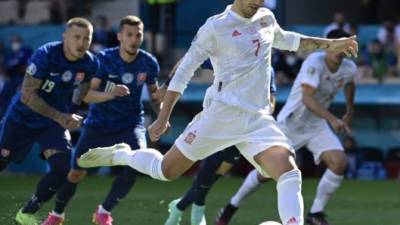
(373, 150)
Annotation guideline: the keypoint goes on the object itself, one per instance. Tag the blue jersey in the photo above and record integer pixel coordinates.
(126, 111)
(208, 66)
(59, 77)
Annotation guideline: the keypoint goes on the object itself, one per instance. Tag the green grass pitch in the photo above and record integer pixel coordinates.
(356, 203)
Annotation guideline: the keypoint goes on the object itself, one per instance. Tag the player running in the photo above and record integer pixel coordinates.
(239, 43)
(116, 116)
(304, 119)
(211, 169)
(57, 78)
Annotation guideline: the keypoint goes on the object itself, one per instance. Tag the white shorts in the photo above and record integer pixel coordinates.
(318, 139)
(220, 126)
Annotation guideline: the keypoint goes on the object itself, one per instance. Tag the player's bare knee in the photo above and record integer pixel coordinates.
(338, 164)
(169, 173)
(76, 176)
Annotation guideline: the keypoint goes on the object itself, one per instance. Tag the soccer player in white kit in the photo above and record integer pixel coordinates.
(304, 119)
(238, 42)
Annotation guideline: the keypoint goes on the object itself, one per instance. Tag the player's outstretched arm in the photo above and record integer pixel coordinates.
(29, 97)
(349, 46)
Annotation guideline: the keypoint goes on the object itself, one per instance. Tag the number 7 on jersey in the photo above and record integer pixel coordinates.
(257, 42)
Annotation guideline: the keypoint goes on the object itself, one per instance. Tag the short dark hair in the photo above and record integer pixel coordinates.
(130, 20)
(79, 22)
(337, 33)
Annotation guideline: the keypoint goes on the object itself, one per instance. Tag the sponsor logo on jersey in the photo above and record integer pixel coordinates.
(112, 76)
(66, 76)
(79, 76)
(32, 69)
(236, 33)
(54, 74)
(127, 78)
(190, 137)
(5, 152)
(141, 78)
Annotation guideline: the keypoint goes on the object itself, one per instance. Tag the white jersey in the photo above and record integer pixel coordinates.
(315, 73)
(240, 52)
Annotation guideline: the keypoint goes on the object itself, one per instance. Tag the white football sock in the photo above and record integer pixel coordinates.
(147, 161)
(290, 200)
(326, 187)
(250, 184)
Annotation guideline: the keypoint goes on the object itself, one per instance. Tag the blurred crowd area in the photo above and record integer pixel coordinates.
(378, 59)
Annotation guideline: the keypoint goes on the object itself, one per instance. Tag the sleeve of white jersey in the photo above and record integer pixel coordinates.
(285, 40)
(310, 73)
(351, 72)
(201, 48)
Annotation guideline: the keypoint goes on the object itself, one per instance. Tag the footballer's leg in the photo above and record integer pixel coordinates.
(147, 161)
(279, 163)
(206, 176)
(331, 151)
(48, 185)
(331, 180)
(250, 185)
(213, 167)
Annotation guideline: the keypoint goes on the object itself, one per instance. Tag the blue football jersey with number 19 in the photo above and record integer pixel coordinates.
(59, 77)
(126, 111)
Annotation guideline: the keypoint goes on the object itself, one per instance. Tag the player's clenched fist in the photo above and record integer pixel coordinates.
(70, 121)
(121, 90)
(157, 128)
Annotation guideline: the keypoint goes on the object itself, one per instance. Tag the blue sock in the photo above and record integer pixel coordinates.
(120, 188)
(50, 183)
(64, 195)
(205, 177)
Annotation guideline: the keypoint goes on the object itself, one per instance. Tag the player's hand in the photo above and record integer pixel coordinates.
(157, 128)
(348, 119)
(70, 121)
(348, 46)
(121, 90)
(340, 126)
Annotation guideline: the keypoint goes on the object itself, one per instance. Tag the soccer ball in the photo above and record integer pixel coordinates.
(270, 223)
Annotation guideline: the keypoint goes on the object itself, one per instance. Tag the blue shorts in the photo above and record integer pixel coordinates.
(16, 140)
(92, 137)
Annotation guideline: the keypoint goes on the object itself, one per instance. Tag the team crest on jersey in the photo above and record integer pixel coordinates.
(311, 70)
(66, 76)
(5, 152)
(264, 23)
(31, 69)
(79, 76)
(251, 30)
(127, 78)
(141, 78)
